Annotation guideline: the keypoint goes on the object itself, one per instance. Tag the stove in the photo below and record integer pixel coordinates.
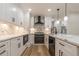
(39, 38)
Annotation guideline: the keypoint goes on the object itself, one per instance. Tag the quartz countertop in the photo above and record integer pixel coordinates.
(8, 37)
(72, 39)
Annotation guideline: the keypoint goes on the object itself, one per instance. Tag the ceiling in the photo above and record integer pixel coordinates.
(42, 8)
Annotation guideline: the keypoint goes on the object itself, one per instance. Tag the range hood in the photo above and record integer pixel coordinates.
(39, 18)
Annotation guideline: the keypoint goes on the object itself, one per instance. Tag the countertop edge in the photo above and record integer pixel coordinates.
(66, 40)
(12, 37)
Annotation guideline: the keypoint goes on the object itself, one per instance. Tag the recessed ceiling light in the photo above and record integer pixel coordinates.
(14, 9)
(49, 10)
(29, 9)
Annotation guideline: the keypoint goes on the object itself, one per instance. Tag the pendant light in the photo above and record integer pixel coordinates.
(65, 17)
(57, 22)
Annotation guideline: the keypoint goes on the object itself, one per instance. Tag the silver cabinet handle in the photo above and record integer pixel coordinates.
(19, 45)
(18, 39)
(2, 52)
(59, 52)
(2, 46)
(61, 44)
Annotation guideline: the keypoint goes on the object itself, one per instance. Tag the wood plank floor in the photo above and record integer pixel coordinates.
(36, 50)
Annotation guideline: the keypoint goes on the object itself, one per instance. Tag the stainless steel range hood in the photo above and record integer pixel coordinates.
(39, 18)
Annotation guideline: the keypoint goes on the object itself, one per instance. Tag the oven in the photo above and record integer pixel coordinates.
(25, 39)
(39, 38)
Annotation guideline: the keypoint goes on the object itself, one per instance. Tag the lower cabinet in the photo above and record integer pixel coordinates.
(5, 48)
(63, 48)
(16, 46)
(31, 39)
(46, 41)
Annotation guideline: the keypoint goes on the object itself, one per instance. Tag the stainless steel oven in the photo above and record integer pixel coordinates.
(25, 39)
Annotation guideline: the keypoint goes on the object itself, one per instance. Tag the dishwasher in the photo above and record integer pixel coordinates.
(52, 46)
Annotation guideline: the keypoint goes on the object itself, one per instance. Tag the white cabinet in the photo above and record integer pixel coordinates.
(8, 14)
(32, 22)
(63, 48)
(47, 41)
(16, 46)
(27, 20)
(31, 39)
(48, 22)
(5, 48)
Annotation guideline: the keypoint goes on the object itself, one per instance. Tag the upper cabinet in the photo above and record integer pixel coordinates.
(26, 21)
(32, 22)
(48, 22)
(13, 14)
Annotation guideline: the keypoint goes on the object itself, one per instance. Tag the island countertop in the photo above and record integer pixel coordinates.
(72, 39)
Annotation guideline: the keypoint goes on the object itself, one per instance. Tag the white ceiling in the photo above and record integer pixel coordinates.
(41, 8)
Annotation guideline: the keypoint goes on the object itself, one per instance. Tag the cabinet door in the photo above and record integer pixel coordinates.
(47, 41)
(14, 47)
(26, 20)
(58, 48)
(31, 39)
(48, 22)
(5, 48)
(3, 12)
(20, 45)
(32, 22)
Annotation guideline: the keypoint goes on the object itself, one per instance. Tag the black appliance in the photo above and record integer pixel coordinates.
(39, 38)
(39, 20)
(52, 46)
(25, 39)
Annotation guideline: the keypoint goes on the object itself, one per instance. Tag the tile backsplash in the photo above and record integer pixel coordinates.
(6, 29)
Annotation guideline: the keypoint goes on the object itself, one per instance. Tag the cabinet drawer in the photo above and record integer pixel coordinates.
(3, 53)
(70, 48)
(3, 44)
(4, 49)
(66, 47)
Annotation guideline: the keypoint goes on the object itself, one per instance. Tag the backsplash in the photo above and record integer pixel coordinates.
(6, 29)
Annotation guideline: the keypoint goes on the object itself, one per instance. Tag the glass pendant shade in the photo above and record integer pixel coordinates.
(65, 18)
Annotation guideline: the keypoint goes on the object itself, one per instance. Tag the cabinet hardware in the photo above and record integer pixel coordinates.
(18, 39)
(61, 44)
(59, 52)
(19, 45)
(13, 19)
(2, 52)
(2, 46)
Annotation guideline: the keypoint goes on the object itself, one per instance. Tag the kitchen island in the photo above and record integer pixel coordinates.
(66, 45)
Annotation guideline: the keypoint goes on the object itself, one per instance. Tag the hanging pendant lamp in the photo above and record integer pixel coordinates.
(57, 22)
(65, 17)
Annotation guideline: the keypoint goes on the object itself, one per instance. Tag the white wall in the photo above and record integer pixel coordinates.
(7, 29)
(73, 24)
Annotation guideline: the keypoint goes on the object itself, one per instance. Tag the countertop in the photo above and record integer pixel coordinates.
(11, 36)
(72, 39)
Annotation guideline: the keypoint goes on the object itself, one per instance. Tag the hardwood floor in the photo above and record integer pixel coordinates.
(36, 50)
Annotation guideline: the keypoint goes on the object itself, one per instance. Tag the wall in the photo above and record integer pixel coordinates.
(73, 24)
(7, 29)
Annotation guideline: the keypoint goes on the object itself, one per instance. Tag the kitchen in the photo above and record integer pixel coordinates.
(39, 29)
